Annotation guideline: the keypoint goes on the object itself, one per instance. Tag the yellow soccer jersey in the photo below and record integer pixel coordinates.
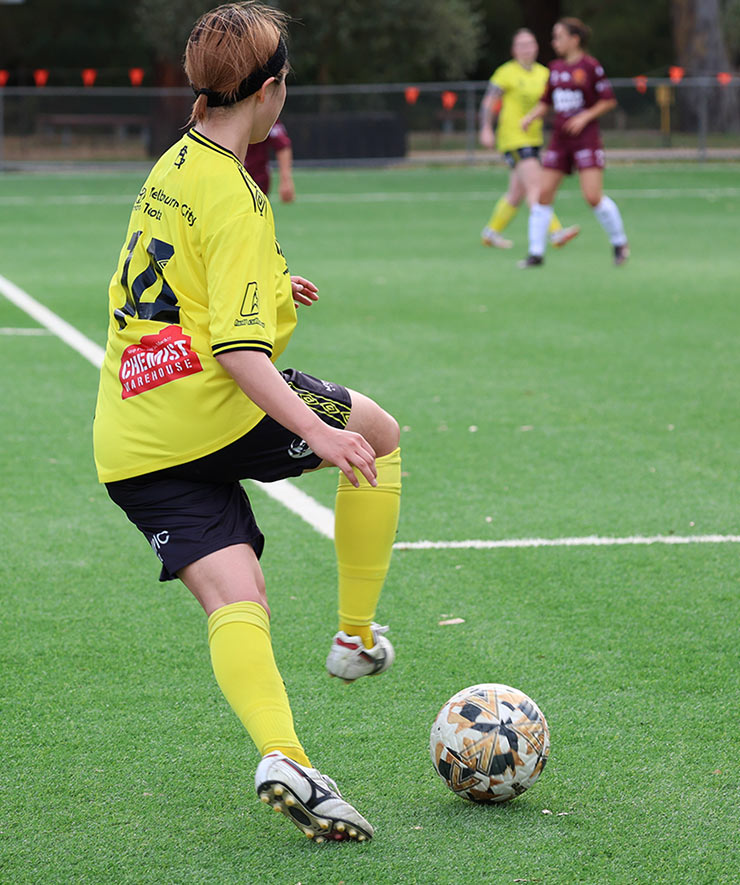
(200, 274)
(522, 89)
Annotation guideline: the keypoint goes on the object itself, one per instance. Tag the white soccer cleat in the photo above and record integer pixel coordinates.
(560, 237)
(490, 237)
(349, 659)
(310, 800)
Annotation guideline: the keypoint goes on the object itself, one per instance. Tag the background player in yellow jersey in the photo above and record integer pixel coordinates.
(201, 305)
(515, 88)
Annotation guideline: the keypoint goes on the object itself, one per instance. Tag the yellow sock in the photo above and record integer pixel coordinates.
(245, 669)
(366, 520)
(554, 224)
(502, 214)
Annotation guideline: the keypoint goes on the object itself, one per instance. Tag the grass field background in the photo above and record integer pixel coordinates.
(579, 399)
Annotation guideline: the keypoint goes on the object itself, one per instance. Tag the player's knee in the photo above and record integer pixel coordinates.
(378, 427)
(391, 435)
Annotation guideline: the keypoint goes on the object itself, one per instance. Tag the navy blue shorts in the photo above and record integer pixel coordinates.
(522, 153)
(193, 509)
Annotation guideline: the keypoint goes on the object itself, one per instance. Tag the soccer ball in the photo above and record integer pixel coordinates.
(489, 743)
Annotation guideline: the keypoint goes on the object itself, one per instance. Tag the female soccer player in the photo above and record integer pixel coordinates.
(579, 92)
(257, 162)
(201, 305)
(515, 87)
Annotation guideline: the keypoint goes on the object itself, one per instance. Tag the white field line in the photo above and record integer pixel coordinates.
(55, 324)
(318, 516)
(16, 330)
(587, 541)
(386, 197)
(288, 495)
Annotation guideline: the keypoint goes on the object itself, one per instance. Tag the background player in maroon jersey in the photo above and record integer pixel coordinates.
(258, 157)
(579, 93)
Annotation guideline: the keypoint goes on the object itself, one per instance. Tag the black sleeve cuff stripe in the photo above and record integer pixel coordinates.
(262, 346)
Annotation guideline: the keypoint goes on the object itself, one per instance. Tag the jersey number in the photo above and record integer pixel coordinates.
(164, 308)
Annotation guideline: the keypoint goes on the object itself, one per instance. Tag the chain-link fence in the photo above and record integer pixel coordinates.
(380, 123)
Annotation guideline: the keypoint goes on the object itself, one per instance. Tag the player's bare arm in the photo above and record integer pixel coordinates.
(286, 188)
(578, 122)
(304, 291)
(488, 115)
(263, 384)
(539, 110)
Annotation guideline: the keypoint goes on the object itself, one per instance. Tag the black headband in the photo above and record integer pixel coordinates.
(251, 84)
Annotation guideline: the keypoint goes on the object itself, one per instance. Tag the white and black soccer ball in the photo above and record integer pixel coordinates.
(489, 742)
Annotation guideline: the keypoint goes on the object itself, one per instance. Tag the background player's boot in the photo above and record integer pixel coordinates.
(491, 237)
(621, 254)
(530, 261)
(560, 237)
(349, 659)
(310, 800)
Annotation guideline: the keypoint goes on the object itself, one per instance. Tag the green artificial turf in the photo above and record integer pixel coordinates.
(575, 400)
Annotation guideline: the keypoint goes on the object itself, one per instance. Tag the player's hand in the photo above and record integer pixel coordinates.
(345, 449)
(526, 122)
(286, 190)
(487, 137)
(304, 291)
(576, 124)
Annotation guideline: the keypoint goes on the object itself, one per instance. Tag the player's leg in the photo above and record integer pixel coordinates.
(540, 216)
(529, 170)
(504, 211)
(230, 586)
(605, 210)
(366, 520)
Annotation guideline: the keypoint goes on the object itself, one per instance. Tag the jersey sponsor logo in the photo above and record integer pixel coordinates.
(251, 301)
(181, 157)
(299, 448)
(159, 540)
(157, 360)
(565, 101)
(250, 308)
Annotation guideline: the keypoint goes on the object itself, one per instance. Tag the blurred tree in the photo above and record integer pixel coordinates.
(66, 37)
(700, 47)
(164, 26)
(731, 18)
(629, 36)
(698, 36)
(624, 48)
(350, 41)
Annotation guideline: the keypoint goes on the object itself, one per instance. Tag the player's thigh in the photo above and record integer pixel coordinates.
(231, 574)
(592, 184)
(549, 184)
(530, 175)
(378, 427)
(515, 193)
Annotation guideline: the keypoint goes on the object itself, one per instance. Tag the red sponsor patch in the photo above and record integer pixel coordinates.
(157, 360)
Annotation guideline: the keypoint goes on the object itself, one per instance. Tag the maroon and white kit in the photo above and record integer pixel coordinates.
(573, 88)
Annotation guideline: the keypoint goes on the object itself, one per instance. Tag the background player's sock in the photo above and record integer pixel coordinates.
(366, 519)
(611, 220)
(539, 220)
(245, 669)
(502, 214)
(555, 224)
